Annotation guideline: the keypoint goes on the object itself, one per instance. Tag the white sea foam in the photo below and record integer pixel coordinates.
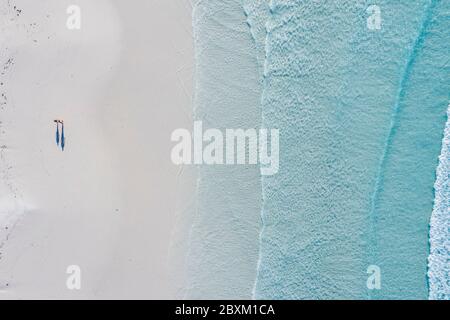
(438, 261)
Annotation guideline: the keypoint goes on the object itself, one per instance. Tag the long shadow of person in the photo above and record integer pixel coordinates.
(63, 140)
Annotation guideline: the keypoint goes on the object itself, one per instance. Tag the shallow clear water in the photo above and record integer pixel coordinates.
(224, 237)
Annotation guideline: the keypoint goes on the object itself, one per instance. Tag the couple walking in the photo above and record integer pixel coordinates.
(58, 136)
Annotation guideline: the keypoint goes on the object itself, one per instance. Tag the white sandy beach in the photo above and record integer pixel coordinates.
(122, 84)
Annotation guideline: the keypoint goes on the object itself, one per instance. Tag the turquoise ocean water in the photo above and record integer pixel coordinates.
(361, 115)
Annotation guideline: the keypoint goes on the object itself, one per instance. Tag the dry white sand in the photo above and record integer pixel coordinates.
(107, 203)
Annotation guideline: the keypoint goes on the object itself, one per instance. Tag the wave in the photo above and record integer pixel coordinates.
(438, 266)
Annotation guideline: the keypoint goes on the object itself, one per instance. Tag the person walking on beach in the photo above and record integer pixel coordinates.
(58, 137)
